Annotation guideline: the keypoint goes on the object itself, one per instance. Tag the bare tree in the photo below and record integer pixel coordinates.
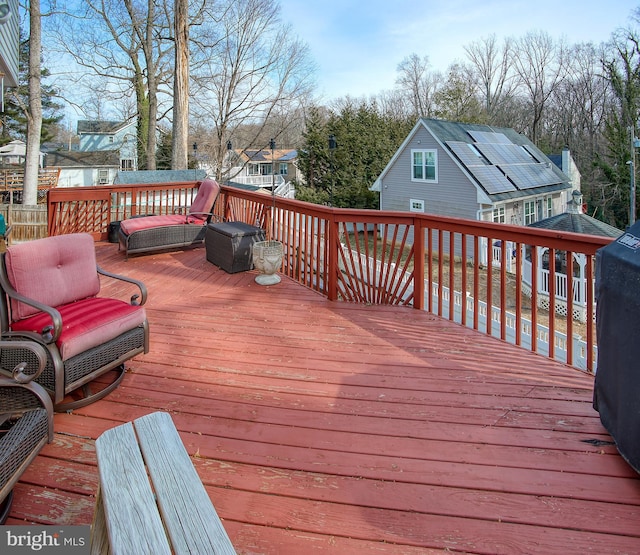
(540, 64)
(34, 113)
(418, 83)
(249, 72)
(491, 64)
(124, 45)
(457, 99)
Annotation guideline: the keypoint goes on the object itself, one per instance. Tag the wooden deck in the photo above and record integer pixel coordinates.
(325, 427)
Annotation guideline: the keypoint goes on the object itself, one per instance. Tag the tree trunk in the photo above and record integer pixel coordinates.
(152, 86)
(34, 116)
(181, 87)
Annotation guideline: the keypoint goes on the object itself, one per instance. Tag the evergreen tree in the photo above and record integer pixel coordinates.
(14, 120)
(314, 160)
(163, 154)
(623, 74)
(366, 140)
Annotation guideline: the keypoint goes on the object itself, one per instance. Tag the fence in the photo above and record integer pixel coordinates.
(321, 243)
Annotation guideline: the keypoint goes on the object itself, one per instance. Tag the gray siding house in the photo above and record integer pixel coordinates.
(9, 46)
(472, 171)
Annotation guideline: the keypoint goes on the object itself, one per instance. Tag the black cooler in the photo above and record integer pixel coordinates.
(617, 384)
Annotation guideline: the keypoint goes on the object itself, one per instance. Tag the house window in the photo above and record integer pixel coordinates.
(424, 165)
(529, 212)
(284, 168)
(548, 204)
(253, 169)
(499, 215)
(111, 139)
(103, 177)
(265, 169)
(416, 205)
(126, 165)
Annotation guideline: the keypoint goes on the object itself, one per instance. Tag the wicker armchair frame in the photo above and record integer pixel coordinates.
(26, 418)
(73, 376)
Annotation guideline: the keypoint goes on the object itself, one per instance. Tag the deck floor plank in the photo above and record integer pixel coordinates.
(320, 427)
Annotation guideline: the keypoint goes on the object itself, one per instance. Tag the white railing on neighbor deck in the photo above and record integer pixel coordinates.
(286, 190)
(370, 269)
(264, 181)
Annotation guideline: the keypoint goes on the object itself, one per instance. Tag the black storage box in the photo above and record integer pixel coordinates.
(616, 393)
(229, 245)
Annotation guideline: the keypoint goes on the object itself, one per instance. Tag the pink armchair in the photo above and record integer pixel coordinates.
(50, 294)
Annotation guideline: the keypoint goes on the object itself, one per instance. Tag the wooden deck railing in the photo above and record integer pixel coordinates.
(369, 256)
(92, 209)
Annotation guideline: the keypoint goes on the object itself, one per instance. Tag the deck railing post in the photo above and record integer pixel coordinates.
(332, 273)
(418, 264)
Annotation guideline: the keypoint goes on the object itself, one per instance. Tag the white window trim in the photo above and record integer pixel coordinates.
(499, 214)
(530, 216)
(416, 205)
(424, 180)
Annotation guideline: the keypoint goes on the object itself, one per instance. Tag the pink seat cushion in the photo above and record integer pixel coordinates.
(200, 208)
(87, 323)
(149, 222)
(54, 271)
(206, 197)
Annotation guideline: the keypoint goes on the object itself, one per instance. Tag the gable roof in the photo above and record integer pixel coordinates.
(158, 176)
(74, 158)
(500, 161)
(264, 155)
(94, 127)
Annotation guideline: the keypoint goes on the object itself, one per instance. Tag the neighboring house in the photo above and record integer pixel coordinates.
(568, 166)
(264, 168)
(14, 154)
(99, 135)
(9, 46)
(472, 171)
(83, 169)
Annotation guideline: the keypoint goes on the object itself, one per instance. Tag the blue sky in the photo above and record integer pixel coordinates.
(358, 44)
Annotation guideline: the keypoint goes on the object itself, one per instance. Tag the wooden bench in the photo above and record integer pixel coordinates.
(150, 498)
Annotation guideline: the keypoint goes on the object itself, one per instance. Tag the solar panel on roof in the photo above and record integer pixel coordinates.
(491, 179)
(504, 154)
(529, 176)
(490, 137)
(533, 153)
(465, 154)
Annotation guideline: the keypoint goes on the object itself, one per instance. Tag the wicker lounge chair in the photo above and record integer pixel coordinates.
(154, 233)
(26, 419)
(49, 294)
